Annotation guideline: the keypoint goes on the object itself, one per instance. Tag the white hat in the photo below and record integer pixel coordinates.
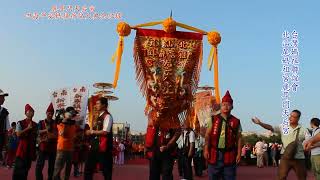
(3, 93)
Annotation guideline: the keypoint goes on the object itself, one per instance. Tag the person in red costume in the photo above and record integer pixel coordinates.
(48, 137)
(101, 144)
(223, 142)
(26, 151)
(12, 145)
(160, 149)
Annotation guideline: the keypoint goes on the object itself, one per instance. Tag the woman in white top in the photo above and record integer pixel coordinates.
(315, 150)
(259, 152)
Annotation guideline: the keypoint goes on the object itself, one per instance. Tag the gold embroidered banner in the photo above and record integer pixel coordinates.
(167, 68)
(205, 106)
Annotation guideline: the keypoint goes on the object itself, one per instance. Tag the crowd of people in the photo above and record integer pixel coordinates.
(216, 148)
(266, 154)
(219, 149)
(61, 142)
(190, 146)
(222, 149)
(298, 144)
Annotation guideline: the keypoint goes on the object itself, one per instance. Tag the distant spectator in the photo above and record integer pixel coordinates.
(274, 149)
(265, 153)
(12, 145)
(121, 153)
(248, 151)
(315, 150)
(260, 153)
(243, 152)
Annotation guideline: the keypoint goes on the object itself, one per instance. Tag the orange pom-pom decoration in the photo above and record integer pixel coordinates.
(214, 38)
(123, 29)
(169, 25)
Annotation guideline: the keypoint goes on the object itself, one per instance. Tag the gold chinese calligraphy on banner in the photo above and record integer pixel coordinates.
(76, 97)
(167, 68)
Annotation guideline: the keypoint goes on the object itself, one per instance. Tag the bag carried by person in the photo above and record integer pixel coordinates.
(291, 149)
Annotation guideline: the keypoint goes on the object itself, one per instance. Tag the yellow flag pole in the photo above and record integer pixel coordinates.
(191, 28)
(147, 24)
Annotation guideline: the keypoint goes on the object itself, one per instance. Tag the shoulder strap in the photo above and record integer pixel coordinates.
(5, 111)
(42, 124)
(314, 132)
(3, 115)
(297, 136)
(101, 118)
(105, 114)
(23, 124)
(182, 135)
(187, 139)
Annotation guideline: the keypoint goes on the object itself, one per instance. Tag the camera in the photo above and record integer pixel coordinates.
(66, 116)
(59, 115)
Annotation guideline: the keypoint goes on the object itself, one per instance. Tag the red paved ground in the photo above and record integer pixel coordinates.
(138, 170)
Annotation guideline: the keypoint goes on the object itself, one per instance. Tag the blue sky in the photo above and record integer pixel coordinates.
(37, 57)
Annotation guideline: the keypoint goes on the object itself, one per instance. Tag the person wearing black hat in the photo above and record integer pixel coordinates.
(4, 121)
(66, 133)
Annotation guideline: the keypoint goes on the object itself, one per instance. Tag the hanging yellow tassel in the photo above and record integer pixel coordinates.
(114, 55)
(113, 58)
(216, 75)
(123, 30)
(214, 39)
(194, 119)
(119, 55)
(210, 59)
